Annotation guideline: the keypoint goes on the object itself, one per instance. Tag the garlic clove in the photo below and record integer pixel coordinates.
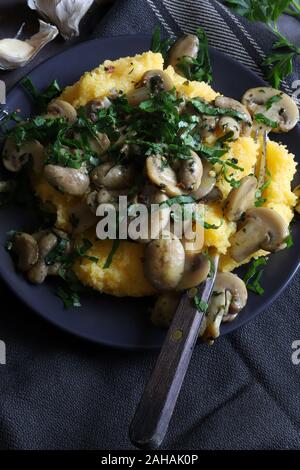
(15, 53)
(66, 14)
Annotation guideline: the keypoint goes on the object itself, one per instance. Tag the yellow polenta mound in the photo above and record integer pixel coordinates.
(125, 275)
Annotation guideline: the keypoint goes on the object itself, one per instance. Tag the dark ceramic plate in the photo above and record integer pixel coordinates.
(124, 323)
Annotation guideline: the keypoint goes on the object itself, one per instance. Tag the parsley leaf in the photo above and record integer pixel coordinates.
(159, 45)
(253, 276)
(41, 99)
(200, 305)
(69, 297)
(274, 99)
(200, 68)
(280, 62)
(261, 118)
(109, 259)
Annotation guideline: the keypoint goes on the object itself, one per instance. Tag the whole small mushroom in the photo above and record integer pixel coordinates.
(61, 109)
(263, 228)
(182, 178)
(196, 270)
(25, 247)
(164, 262)
(67, 180)
(93, 107)
(186, 46)
(15, 158)
(113, 175)
(153, 81)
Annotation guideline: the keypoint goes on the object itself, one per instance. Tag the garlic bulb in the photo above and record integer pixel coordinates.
(66, 14)
(15, 53)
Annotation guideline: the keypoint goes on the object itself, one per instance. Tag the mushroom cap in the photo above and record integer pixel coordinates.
(263, 228)
(60, 108)
(26, 249)
(113, 176)
(157, 80)
(164, 262)
(225, 102)
(13, 158)
(284, 111)
(162, 175)
(186, 46)
(67, 180)
(196, 270)
(190, 173)
(240, 199)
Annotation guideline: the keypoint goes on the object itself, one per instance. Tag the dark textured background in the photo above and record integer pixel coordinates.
(57, 392)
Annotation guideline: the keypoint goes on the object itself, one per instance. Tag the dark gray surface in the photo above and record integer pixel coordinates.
(60, 393)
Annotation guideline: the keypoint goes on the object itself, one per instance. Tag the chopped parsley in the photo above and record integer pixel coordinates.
(274, 99)
(158, 44)
(41, 99)
(69, 297)
(200, 305)
(262, 119)
(109, 259)
(253, 276)
(199, 68)
(289, 241)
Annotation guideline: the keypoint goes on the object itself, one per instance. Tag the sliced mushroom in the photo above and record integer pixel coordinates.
(296, 191)
(94, 106)
(186, 46)
(196, 270)
(157, 80)
(240, 127)
(208, 181)
(158, 213)
(283, 110)
(229, 297)
(113, 175)
(240, 199)
(15, 158)
(67, 180)
(26, 249)
(164, 262)
(165, 308)
(58, 108)
(263, 228)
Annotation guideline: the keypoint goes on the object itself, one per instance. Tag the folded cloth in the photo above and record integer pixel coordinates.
(57, 392)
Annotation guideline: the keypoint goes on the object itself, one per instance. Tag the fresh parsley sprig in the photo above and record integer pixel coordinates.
(279, 63)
